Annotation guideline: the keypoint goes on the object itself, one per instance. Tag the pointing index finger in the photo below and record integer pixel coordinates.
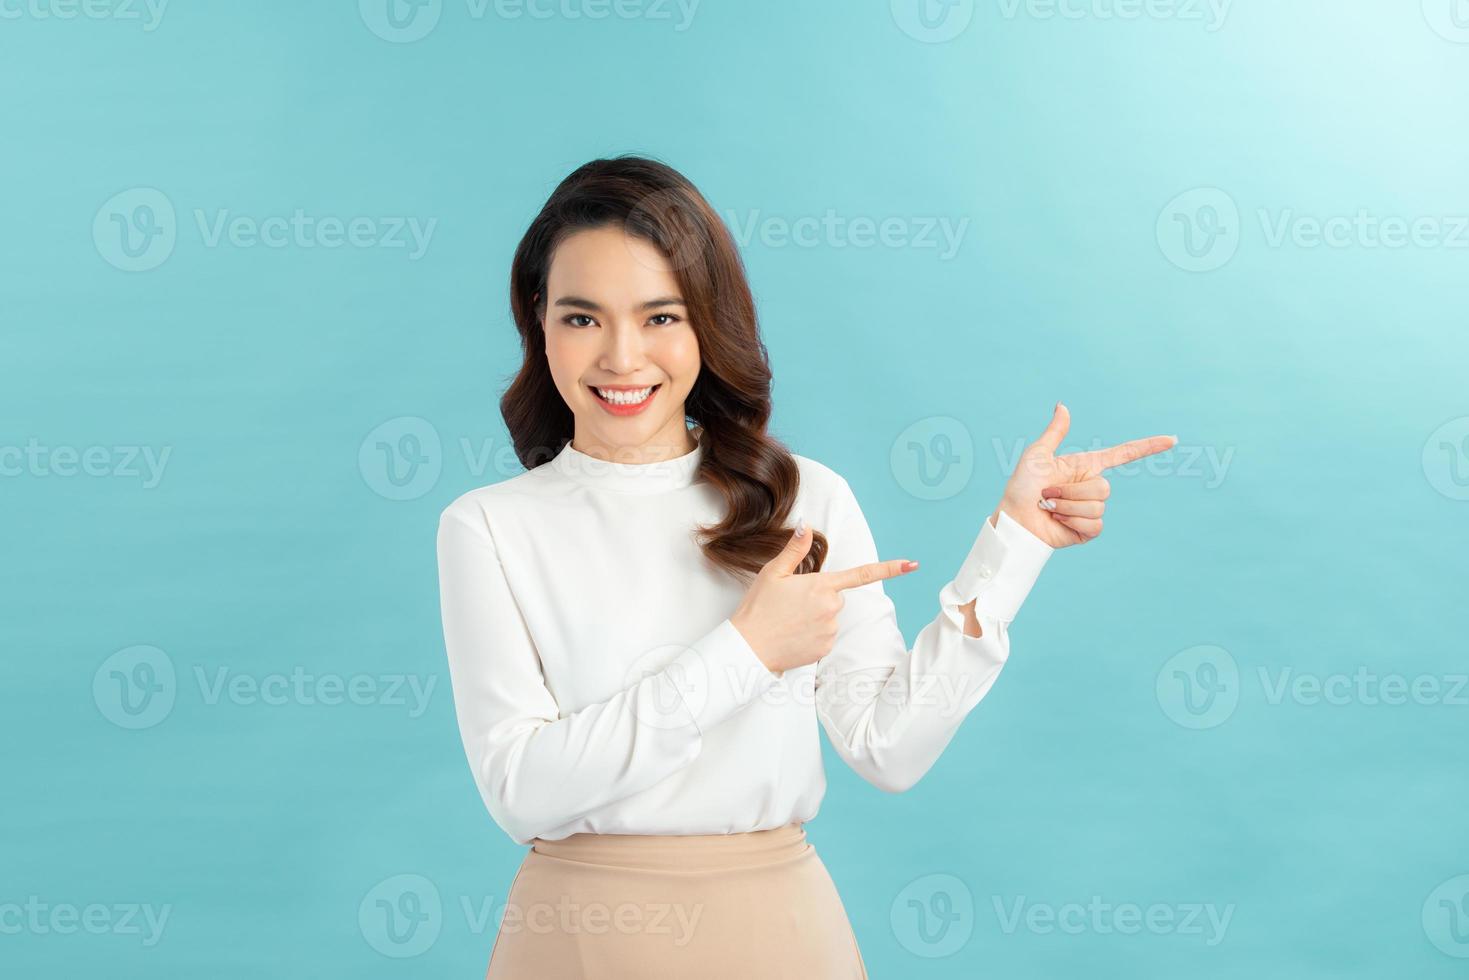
(1126, 452)
(850, 578)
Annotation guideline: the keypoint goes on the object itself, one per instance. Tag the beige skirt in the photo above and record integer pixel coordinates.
(649, 907)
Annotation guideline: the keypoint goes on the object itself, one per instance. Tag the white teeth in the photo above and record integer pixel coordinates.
(625, 397)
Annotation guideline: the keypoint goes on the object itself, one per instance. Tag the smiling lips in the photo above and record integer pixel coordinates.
(624, 400)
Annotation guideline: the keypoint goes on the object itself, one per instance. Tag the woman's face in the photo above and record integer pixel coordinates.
(615, 319)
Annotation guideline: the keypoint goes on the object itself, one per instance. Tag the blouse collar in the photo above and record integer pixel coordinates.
(656, 477)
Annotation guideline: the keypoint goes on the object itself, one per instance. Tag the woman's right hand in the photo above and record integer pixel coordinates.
(790, 620)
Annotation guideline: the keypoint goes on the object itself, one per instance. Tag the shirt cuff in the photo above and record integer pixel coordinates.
(719, 674)
(1001, 568)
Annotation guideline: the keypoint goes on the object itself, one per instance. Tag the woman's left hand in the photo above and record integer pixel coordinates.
(1072, 487)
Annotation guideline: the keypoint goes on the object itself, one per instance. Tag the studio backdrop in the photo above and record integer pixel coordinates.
(255, 327)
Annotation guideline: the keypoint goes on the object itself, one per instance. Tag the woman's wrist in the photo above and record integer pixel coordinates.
(743, 629)
(1031, 519)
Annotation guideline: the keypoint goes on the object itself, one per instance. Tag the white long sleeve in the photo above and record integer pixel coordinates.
(536, 767)
(600, 687)
(890, 712)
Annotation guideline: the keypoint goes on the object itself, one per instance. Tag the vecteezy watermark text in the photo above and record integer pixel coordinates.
(41, 918)
(1211, 13)
(935, 916)
(1104, 918)
(1202, 229)
(403, 916)
(118, 462)
(149, 13)
(302, 230)
(406, 21)
(137, 687)
(1207, 463)
(1200, 687)
(834, 230)
(937, 21)
(137, 230)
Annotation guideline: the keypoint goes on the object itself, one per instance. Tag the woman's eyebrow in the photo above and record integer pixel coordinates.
(586, 304)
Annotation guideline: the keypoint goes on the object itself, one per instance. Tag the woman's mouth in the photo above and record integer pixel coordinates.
(625, 401)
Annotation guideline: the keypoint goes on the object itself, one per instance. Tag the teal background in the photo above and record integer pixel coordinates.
(1326, 382)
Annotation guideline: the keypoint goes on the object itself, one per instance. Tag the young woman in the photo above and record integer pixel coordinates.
(645, 627)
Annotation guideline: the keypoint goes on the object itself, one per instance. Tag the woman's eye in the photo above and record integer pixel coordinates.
(576, 319)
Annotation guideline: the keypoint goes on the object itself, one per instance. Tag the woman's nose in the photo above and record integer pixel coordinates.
(623, 353)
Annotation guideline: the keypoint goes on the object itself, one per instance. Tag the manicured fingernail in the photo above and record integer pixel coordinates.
(1048, 504)
(908, 566)
(800, 527)
(1051, 492)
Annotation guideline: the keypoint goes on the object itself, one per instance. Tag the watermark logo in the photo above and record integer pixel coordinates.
(1363, 687)
(1209, 464)
(406, 21)
(1202, 686)
(932, 21)
(1446, 917)
(402, 458)
(937, 21)
(135, 230)
(1446, 459)
(1199, 230)
(933, 916)
(933, 458)
(1211, 13)
(301, 687)
(1448, 18)
(681, 687)
(1199, 687)
(308, 231)
(1363, 230)
(1102, 918)
(679, 12)
(832, 229)
(136, 687)
(400, 21)
(404, 915)
(401, 916)
(37, 917)
(149, 13)
(144, 463)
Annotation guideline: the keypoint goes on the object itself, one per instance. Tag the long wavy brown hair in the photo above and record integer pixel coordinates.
(730, 399)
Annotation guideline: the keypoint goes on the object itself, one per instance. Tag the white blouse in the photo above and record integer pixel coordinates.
(600, 686)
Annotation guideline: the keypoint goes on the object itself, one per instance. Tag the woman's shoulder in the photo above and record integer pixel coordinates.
(508, 496)
(820, 483)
